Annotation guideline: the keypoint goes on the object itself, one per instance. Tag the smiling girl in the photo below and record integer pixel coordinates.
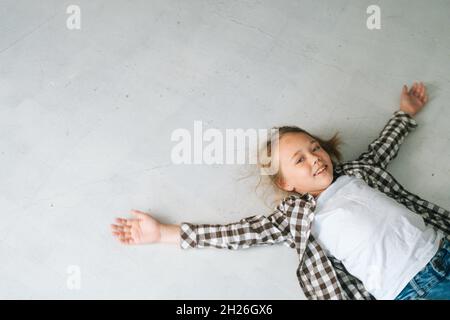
(357, 232)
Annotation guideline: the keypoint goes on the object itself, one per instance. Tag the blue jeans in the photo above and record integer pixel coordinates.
(433, 281)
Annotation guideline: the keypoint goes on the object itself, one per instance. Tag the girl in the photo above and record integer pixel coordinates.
(357, 232)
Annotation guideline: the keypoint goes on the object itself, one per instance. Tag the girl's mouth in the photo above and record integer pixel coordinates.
(321, 170)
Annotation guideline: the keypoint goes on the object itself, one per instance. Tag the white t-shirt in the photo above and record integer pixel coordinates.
(380, 241)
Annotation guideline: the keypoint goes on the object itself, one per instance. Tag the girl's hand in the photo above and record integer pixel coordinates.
(143, 229)
(414, 100)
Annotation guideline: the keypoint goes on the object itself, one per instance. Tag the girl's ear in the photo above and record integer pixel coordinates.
(283, 185)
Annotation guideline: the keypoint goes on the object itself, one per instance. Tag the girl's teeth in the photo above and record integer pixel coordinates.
(321, 170)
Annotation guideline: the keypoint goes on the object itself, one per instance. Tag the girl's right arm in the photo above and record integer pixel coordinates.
(251, 231)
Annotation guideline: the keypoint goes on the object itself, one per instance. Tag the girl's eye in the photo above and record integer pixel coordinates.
(299, 160)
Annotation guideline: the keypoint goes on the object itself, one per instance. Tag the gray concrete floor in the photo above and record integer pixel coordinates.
(86, 117)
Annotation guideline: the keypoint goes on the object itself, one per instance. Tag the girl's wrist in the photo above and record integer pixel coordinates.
(170, 233)
(412, 114)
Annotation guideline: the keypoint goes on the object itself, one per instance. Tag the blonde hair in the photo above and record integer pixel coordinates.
(331, 146)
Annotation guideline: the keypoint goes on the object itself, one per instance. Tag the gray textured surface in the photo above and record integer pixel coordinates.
(86, 117)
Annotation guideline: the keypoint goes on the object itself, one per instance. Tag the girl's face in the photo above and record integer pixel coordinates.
(300, 158)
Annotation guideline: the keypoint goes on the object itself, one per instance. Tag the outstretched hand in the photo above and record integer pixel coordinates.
(141, 230)
(414, 100)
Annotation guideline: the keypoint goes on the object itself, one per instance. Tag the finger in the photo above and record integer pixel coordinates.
(126, 240)
(422, 94)
(116, 234)
(123, 235)
(137, 211)
(419, 90)
(119, 233)
(416, 90)
(405, 89)
(121, 221)
(120, 227)
(425, 97)
(422, 91)
(138, 214)
(124, 222)
(129, 241)
(119, 237)
(116, 227)
(123, 238)
(416, 86)
(424, 88)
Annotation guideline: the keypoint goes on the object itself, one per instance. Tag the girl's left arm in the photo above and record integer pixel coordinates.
(385, 148)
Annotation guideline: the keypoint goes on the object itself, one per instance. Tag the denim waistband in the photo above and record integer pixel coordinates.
(444, 247)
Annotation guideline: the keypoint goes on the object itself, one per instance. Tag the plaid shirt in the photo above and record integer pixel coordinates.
(321, 276)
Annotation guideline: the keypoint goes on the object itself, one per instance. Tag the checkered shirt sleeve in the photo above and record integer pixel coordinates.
(385, 147)
(251, 231)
